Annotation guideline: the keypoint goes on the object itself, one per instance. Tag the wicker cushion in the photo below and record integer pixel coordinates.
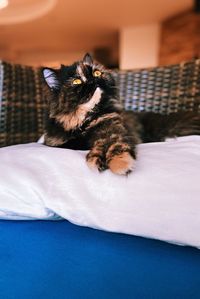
(21, 104)
(162, 89)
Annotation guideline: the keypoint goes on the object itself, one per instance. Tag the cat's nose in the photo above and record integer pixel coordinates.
(93, 84)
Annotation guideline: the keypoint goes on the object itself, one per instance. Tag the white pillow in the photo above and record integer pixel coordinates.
(160, 199)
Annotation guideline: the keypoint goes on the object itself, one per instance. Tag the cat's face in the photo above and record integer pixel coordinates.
(73, 85)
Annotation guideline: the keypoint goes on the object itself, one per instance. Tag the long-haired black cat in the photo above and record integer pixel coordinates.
(84, 113)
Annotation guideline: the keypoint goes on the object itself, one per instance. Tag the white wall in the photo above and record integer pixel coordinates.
(139, 46)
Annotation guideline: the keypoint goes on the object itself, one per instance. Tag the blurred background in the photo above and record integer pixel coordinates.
(119, 33)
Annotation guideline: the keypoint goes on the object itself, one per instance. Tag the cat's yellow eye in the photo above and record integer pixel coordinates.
(76, 82)
(97, 73)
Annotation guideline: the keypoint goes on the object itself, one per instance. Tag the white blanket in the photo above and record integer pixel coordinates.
(160, 199)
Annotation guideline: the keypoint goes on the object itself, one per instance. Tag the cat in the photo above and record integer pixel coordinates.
(84, 113)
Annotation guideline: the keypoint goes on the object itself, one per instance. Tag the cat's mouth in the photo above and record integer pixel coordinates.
(95, 93)
(95, 98)
(98, 92)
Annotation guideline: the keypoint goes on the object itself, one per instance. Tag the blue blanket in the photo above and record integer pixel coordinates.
(58, 260)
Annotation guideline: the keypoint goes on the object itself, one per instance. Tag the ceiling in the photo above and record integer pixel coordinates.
(105, 14)
(85, 24)
(113, 14)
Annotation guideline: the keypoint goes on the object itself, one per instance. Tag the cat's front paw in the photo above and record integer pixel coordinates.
(95, 161)
(122, 164)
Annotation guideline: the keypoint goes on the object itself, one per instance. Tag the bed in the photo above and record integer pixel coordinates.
(57, 259)
(46, 259)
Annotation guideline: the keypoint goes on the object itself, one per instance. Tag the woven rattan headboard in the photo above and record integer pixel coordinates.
(162, 89)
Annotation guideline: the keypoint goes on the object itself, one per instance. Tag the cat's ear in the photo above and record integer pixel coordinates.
(87, 59)
(51, 78)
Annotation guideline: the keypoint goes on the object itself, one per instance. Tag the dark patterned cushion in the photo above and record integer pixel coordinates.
(21, 104)
(161, 89)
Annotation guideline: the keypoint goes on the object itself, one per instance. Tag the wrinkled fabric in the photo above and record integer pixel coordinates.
(160, 199)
